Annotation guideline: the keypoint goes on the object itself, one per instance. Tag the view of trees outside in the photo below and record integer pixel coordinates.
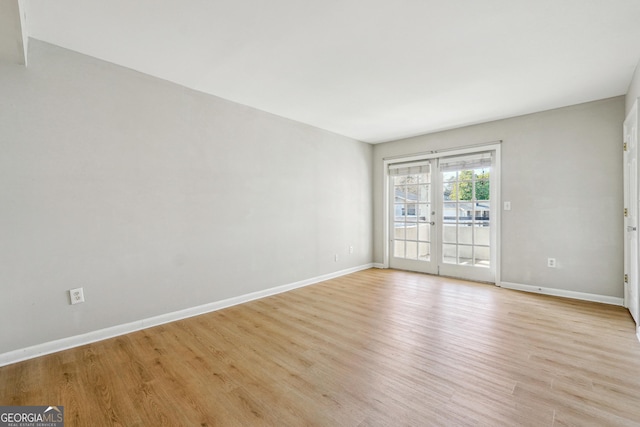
(466, 223)
(461, 187)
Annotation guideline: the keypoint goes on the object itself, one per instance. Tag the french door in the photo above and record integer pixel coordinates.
(442, 218)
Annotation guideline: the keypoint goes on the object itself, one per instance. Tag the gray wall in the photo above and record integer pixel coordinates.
(156, 198)
(561, 170)
(634, 90)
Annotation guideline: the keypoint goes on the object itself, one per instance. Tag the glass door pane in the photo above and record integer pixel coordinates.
(465, 192)
(412, 217)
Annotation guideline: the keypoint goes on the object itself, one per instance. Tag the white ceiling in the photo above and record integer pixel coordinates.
(374, 70)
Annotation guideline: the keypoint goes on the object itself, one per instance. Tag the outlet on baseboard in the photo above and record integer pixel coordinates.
(76, 295)
(551, 262)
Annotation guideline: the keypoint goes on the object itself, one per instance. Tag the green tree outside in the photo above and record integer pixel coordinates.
(463, 189)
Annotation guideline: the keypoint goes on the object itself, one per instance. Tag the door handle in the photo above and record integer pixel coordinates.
(432, 223)
(631, 228)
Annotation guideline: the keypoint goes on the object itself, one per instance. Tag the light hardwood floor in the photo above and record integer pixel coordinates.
(374, 348)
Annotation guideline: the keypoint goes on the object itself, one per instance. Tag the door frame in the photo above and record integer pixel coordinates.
(494, 146)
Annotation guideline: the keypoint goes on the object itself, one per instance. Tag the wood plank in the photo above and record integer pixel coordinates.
(377, 347)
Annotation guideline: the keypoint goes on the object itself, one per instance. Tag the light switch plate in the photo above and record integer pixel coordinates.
(76, 295)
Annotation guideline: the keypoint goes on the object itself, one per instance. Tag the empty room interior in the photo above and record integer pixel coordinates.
(337, 213)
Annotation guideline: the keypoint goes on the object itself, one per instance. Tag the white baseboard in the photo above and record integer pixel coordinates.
(564, 293)
(378, 265)
(114, 331)
(638, 333)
